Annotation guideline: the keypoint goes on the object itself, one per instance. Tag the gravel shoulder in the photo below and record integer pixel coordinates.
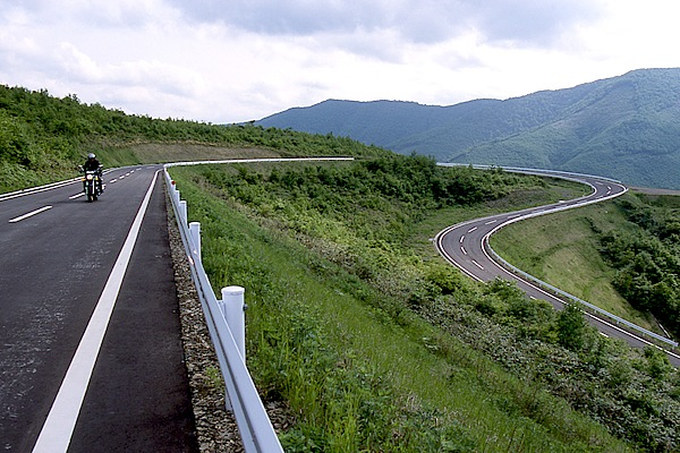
(216, 428)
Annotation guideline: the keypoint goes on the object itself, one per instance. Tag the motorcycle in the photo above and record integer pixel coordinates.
(92, 184)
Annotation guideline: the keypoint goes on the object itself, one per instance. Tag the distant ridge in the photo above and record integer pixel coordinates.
(625, 127)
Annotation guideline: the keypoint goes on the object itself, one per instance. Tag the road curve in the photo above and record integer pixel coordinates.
(463, 245)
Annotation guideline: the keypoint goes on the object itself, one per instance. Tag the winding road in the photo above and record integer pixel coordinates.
(465, 246)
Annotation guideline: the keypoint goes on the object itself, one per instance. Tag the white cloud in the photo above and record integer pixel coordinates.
(244, 59)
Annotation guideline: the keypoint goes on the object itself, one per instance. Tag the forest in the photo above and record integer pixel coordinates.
(43, 138)
(624, 127)
(648, 260)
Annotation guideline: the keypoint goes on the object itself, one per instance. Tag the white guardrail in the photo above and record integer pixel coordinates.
(226, 322)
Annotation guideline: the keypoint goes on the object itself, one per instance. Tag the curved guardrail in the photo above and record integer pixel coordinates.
(590, 307)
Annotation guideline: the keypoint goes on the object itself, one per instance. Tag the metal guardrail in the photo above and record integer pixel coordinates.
(532, 171)
(226, 324)
(226, 321)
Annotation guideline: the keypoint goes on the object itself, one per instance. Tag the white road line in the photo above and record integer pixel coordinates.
(30, 214)
(462, 238)
(31, 191)
(56, 433)
(490, 222)
(477, 264)
(472, 229)
(113, 180)
(462, 249)
(79, 194)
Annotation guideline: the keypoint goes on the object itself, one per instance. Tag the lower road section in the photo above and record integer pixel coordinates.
(464, 245)
(54, 267)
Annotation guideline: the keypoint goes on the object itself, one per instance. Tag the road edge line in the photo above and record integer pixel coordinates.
(56, 433)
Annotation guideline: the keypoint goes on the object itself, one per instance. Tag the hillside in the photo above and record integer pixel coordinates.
(352, 311)
(43, 138)
(626, 127)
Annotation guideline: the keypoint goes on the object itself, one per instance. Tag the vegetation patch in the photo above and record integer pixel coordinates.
(562, 249)
(44, 138)
(621, 255)
(349, 300)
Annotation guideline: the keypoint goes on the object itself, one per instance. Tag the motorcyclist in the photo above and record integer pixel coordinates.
(92, 164)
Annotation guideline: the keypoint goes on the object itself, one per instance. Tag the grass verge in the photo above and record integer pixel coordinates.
(361, 372)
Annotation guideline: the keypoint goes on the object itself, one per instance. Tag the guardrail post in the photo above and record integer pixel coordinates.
(195, 231)
(233, 309)
(183, 212)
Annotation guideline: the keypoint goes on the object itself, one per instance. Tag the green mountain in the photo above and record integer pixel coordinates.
(626, 127)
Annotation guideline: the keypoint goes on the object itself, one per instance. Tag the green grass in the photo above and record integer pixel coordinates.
(562, 249)
(360, 372)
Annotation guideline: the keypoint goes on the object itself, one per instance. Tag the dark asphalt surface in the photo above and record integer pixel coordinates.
(53, 267)
(463, 246)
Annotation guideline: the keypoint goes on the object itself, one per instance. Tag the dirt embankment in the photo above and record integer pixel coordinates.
(653, 191)
(185, 151)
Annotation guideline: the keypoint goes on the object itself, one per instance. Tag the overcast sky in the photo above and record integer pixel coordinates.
(226, 61)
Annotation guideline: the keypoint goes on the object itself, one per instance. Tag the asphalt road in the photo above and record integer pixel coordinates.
(91, 356)
(463, 246)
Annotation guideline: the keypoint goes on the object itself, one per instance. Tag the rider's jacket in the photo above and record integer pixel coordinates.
(91, 165)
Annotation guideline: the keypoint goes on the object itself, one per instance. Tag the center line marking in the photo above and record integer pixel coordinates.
(490, 222)
(477, 264)
(472, 229)
(30, 214)
(73, 197)
(56, 433)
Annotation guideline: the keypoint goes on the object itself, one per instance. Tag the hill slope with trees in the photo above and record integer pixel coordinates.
(379, 334)
(626, 127)
(43, 138)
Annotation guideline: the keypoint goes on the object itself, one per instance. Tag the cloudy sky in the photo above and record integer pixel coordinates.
(224, 61)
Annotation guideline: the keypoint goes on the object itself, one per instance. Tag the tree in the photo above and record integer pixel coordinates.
(571, 327)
